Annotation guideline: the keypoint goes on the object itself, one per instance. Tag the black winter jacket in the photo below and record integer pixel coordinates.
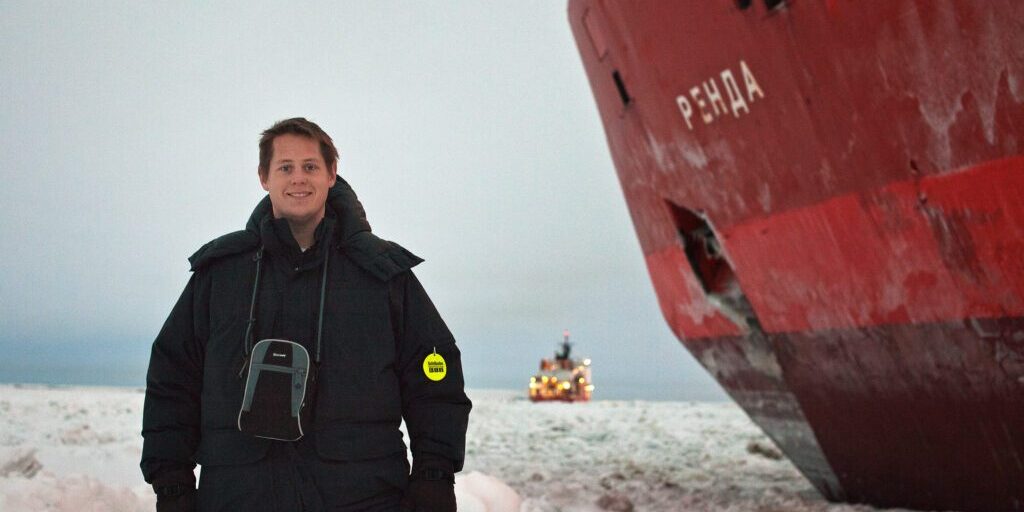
(378, 327)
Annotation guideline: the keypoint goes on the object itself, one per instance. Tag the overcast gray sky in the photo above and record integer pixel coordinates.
(467, 128)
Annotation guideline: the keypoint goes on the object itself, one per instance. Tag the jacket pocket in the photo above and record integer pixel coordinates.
(229, 447)
(359, 441)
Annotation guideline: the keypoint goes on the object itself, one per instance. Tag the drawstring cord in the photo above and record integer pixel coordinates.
(258, 258)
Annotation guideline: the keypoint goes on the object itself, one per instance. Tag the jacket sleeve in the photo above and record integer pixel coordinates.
(170, 416)
(436, 412)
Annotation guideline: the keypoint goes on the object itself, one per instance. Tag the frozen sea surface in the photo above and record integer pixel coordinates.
(634, 455)
(78, 448)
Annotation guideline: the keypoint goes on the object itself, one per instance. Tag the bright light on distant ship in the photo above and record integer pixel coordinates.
(561, 377)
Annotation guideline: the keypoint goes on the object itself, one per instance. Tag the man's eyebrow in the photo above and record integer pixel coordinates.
(289, 160)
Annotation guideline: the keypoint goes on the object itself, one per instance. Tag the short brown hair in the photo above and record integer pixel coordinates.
(297, 126)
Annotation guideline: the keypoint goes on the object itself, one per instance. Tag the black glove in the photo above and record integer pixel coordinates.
(175, 491)
(431, 486)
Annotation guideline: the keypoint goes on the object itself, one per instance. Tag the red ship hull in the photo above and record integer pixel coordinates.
(830, 199)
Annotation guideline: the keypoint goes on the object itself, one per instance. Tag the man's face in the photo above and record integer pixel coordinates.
(298, 179)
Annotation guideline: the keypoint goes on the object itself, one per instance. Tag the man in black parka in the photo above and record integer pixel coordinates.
(378, 328)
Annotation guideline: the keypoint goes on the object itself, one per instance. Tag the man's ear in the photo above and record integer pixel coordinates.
(334, 173)
(263, 183)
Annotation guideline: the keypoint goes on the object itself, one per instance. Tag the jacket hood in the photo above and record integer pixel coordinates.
(352, 233)
(341, 198)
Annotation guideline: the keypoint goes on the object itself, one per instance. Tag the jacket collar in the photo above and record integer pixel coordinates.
(351, 233)
(276, 237)
(341, 201)
(350, 226)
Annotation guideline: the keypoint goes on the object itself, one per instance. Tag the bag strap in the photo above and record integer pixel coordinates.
(323, 297)
(258, 258)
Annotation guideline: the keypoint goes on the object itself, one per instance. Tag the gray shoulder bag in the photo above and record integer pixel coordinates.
(279, 377)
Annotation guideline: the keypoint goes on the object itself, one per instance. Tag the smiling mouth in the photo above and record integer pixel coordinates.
(299, 195)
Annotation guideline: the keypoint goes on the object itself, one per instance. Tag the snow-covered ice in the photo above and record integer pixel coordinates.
(634, 455)
(78, 448)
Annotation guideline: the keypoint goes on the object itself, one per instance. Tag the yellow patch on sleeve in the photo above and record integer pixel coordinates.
(434, 367)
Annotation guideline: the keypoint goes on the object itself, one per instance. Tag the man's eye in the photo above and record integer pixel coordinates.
(285, 168)
(310, 167)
